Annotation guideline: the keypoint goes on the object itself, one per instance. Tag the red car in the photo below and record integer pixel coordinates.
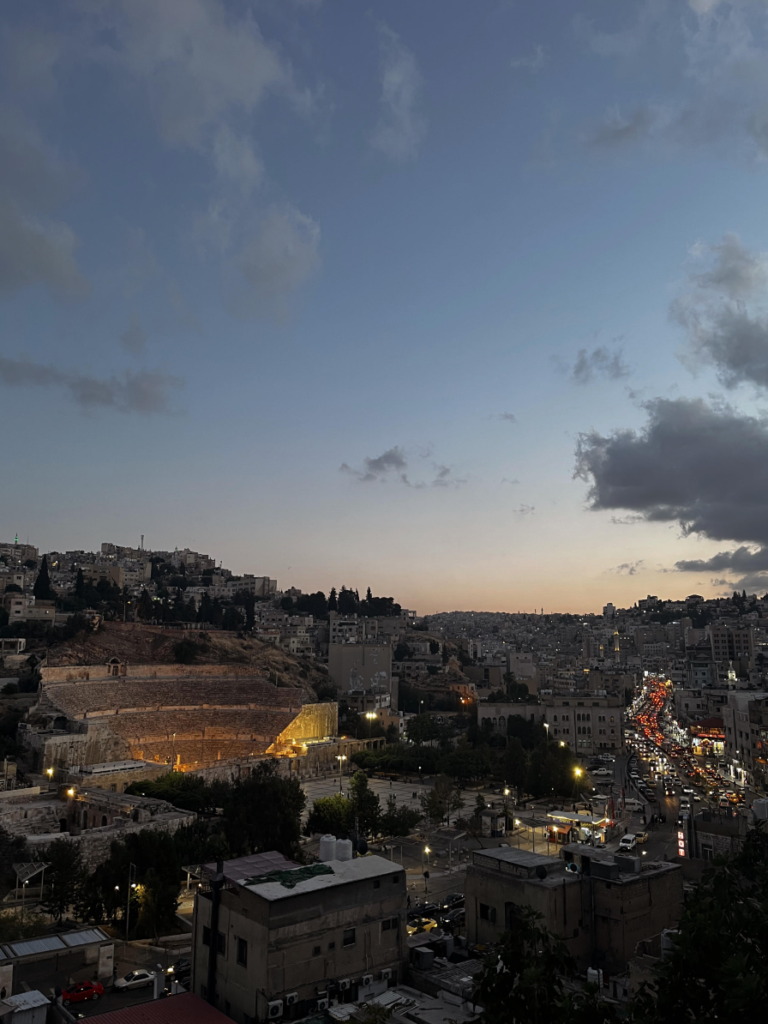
(81, 991)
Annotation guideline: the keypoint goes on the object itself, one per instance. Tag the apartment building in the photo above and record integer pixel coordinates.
(588, 723)
(354, 666)
(274, 940)
(743, 732)
(599, 904)
(732, 645)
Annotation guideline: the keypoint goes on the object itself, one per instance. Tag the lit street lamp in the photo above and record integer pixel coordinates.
(341, 758)
(49, 773)
(546, 726)
(426, 851)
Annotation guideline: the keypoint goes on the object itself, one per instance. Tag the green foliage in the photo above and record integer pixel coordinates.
(402, 652)
(442, 799)
(365, 805)
(189, 792)
(422, 729)
(186, 651)
(330, 815)
(263, 812)
(64, 877)
(158, 900)
(14, 926)
(42, 589)
(398, 821)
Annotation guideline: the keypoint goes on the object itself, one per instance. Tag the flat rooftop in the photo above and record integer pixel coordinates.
(294, 881)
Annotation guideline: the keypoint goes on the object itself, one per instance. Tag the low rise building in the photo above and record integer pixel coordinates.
(272, 939)
(588, 723)
(600, 905)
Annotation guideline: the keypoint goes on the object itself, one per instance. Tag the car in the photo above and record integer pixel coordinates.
(628, 842)
(454, 918)
(81, 991)
(421, 924)
(452, 901)
(180, 971)
(423, 909)
(602, 771)
(641, 837)
(140, 978)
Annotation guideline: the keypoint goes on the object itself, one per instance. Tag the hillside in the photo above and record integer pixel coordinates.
(145, 645)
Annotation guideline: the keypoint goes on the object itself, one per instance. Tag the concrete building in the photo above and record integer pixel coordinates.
(743, 733)
(594, 724)
(600, 905)
(732, 645)
(355, 666)
(274, 940)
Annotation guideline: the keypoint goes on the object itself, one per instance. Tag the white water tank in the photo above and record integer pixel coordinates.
(343, 849)
(595, 977)
(327, 848)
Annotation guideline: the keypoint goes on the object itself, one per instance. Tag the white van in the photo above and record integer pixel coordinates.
(628, 842)
(634, 805)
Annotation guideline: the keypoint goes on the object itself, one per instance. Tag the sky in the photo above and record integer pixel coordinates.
(465, 302)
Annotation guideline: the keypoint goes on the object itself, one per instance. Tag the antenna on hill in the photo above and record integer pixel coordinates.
(142, 543)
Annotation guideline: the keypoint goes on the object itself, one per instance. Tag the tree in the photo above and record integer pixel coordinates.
(422, 729)
(79, 584)
(402, 652)
(42, 588)
(330, 815)
(333, 604)
(398, 821)
(443, 798)
(434, 647)
(63, 877)
(263, 812)
(347, 602)
(145, 608)
(158, 900)
(365, 805)
(516, 766)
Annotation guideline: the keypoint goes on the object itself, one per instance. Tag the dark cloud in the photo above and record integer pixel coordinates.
(142, 392)
(742, 560)
(723, 327)
(393, 464)
(600, 362)
(628, 568)
(703, 467)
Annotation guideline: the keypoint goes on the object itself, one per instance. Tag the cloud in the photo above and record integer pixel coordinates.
(276, 259)
(600, 362)
(401, 127)
(723, 329)
(141, 392)
(743, 560)
(393, 464)
(628, 568)
(511, 482)
(524, 510)
(35, 249)
(134, 339)
(380, 466)
(705, 468)
(712, 62)
(236, 161)
(508, 417)
(532, 62)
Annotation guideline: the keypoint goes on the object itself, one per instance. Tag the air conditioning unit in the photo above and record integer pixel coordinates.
(344, 984)
(275, 1009)
(292, 998)
(367, 979)
(322, 1004)
(386, 974)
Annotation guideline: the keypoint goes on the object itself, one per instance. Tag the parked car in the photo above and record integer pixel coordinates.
(81, 991)
(180, 971)
(421, 924)
(454, 919)
(451, 901)
(423, 909)
(135, 979)
(602, 771)
(628, 842)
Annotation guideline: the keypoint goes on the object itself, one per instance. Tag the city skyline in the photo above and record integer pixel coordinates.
(468, 307)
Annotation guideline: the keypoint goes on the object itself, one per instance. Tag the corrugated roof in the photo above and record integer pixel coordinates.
(26, 1000)
(85, 936)
(44, 944)
(182, 1009)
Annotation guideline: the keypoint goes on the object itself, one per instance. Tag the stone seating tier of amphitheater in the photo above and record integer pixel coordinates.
(185, 715)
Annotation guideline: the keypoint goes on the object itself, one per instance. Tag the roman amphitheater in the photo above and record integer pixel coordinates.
(187, 716)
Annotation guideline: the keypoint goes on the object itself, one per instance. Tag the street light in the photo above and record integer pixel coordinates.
(506, 809)
(426, 851)
(341, 758)
(49, 773)
(546, 726)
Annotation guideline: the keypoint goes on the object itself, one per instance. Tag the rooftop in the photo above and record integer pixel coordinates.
(181, 1009)
(337, 873)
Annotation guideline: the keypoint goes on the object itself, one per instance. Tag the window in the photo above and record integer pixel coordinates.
(331, 945)
(242, 952)
(206, 936)
(349, 937)
(203, 992)
(386, 925)
(316, 951)
(487, 913)
(395, 879)
(377, 883)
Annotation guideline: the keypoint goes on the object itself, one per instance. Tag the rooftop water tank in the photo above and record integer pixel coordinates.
(327, 848)
(344, 849)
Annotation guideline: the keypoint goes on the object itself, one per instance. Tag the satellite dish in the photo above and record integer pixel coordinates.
(541, 872)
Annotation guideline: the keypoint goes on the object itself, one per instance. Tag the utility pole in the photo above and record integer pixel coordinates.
(131, 885)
